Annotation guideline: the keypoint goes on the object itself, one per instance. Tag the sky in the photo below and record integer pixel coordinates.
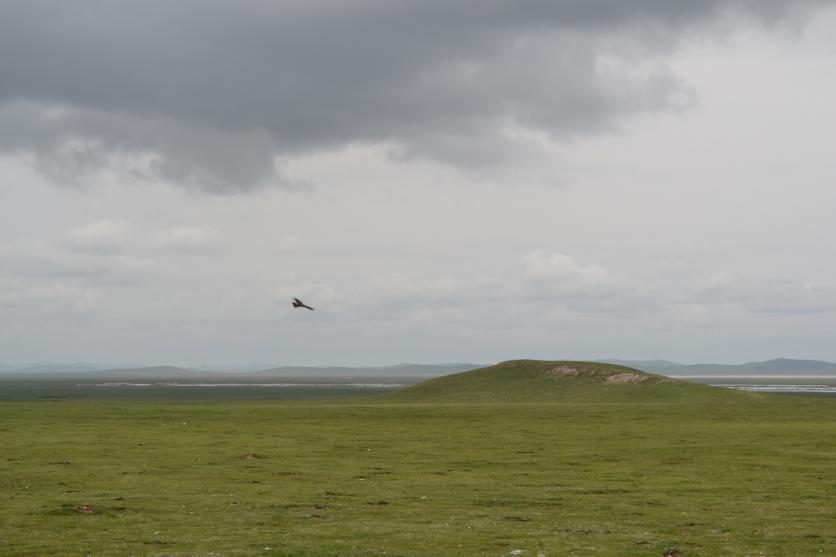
(443, 181)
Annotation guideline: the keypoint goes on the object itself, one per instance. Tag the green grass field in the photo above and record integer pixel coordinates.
(725, 475)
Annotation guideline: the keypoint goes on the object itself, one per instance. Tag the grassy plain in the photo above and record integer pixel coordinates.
(732, 476)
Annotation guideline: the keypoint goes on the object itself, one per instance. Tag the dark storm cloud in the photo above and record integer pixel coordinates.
(209, 91)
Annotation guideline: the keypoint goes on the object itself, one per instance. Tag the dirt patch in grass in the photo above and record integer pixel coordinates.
(337, 494)
(252, 456)
(160, 543)
(86, 509)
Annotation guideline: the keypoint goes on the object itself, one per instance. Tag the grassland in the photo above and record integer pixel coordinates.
(726, 475)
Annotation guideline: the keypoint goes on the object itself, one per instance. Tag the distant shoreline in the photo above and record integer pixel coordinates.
(751, 376)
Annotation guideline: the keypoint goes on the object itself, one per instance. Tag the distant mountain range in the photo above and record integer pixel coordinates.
(428, 370)
(89, 371)
(777, 367)
(50, 368)
(154, 372)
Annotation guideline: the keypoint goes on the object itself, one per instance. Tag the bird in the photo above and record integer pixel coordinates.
(297, 303)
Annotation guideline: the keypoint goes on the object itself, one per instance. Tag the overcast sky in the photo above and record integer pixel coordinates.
(443, 181)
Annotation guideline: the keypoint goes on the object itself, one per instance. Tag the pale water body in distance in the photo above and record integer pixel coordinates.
(800, 385)
(815, 385)
(802, 389)
(304, 388)
(62, 389)
(765, 384)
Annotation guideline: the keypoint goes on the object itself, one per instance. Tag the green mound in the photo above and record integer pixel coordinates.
(544, 381)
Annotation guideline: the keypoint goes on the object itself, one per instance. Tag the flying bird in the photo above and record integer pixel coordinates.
(297, 303)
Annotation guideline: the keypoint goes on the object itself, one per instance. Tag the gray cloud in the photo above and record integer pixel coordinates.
(115, 237)
(208, 94)
(767, 296)
(95, 263)
(547, 287)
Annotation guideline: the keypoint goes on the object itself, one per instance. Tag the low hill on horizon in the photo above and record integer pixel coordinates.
(547, 381)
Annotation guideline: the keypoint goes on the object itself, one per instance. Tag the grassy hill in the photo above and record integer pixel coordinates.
(543, 381)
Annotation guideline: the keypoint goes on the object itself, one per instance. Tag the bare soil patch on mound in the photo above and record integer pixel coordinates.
(564, 371)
